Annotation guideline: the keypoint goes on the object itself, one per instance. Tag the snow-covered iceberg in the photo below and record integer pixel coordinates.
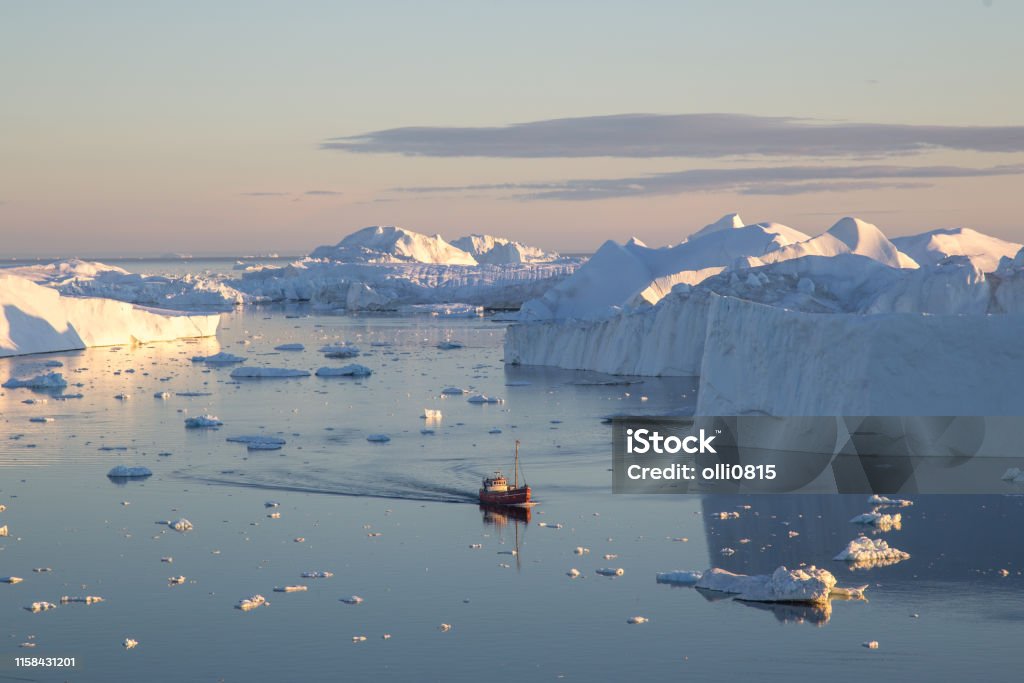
(870, 552)
(390, 243)
(37, 319)
(808, 584)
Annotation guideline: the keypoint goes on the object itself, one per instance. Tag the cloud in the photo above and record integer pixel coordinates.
(323, 193)
(265, 194)
(774, 180)
(680, 135)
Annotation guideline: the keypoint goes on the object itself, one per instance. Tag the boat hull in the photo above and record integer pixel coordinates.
(512, 497)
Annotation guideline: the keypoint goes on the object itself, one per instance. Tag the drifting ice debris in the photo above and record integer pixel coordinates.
(494, 431)
(290, 347)
(378, 438)
(1002, 572)
(253, 602)
(41, 606)
(269, 503)
(339, 351)
(580, 550)
(274, 515)
(444, 628)
(3, 530)
(290, 589)
(679, 577)
(87, 600)
(546, 525)
(122, 397)
(126, 472)
(481, 398)
(162, 395)
(637, 620)
(573, 573)
(726, 515)
(352, 600)
(41, 570)
(201, 421)
(130, 643)
(476, 546)
(358, 639)
(808, 584)
(871, 552)
(619, 571)
(431, 415)
(254, 372)
(453, 391)
(181, 525)
(11, 579)
(317, 575)
(449, 345)
(353, 370)
(727, 551)
(49, 380)
(258, 442)
(871, 644)
(40, 419)
(793, 534)
(176, 580)
(610, 556)
(1014, 475)
(879, 520)
(168, 560)
(223, 357)
(882, 501)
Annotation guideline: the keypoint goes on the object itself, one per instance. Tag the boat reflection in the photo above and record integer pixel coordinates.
(499, 517)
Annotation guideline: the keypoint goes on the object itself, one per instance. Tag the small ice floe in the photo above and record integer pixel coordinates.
(637, 620)
(168, 560)
(352, 600)
(251, 602)
(340, 351)
(871, 644)
(1002, 572)
(274, 515)
(375, 534)
(122, 396)
(290, 347)
(317, 575)
(40, 570)
(202, 421)
(427, 432)
(883, 501)
(805, 584)
(130, 643)
(444, 628)
(518, 383)
(11, 579)
(494, 431)
(431, 415)
(53, 364)
(378, 438)
(1014, 475)
(41, 606)
(351, 370)
(87, 600)
(679, 577)
(481, 399)
(113, 448)
(259, 442)
(3, 530)
(849, 592)
(580, 550)
(162, 395)
(727, 552)
(871, 552)
(258, 372)
(610, 556)
(358, 639)
(48, 380)
(879, 520)
(726, 515)
(127, 472)
(792, 534)
(269, 503)
(299, 539)
(450, 345)
(548, 525)
(290, 589)
(176, 580)
(223, 358)
(41, 419)
(386, 636)
(476, 546)
(181, 525)
(453, 391)
(611, 571)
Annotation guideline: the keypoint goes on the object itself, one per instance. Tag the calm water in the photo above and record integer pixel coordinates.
(512, 617)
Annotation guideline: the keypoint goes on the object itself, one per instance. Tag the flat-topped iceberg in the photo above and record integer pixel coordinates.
(222, 357)
(259, 442)
(129, 472)
(351, 370)
(257, 372)
(48, 380)
(202, 421)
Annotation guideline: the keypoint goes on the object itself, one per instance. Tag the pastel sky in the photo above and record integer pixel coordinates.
(245, 127)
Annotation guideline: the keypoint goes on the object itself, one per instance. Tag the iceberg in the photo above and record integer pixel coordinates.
(352, 370)
(127, 472)
(219, 358)
(879, 520)
(679, 577)
(866, 551)
(37, 319)
(809, 585)
(254, 372)
(933, 247)
(259, 442)
(290, 347)
(202, 421)
(46, 381)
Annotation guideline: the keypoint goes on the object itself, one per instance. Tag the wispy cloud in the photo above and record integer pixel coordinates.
(265, 194)
(680, 135)
(775, 180)
(307, 193)
(323, 193)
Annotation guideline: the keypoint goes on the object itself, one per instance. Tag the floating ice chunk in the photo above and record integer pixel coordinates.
(637, 620)
(476, 546)
(42, 570)
(122, 396)
(679, 577)
(444, 628)
(340, 351)
(202, 421)
(222, 358)
(269, 503)
(127, 472)
(317, 575)
(168, 560)
(727, 551)
(883, 501)
(162, 395)
(41, 419)
(87, 600)
(450, 345)
(431, 414)
(378, 438)
(879, 520)
(358, 639)
(849, 592)
(53, 364)
(454, 391)
(573, 573)
(130, 643)
(252, 602)
(619, 571)
(11, 579)
(726, 515)
(41, 606)
(580, 550)
(3, 531)
(481, 399)
(611, 556)
(549, 525)
(259, 372)
(176, 580)
(871, 552)
(290, 589)
(871, 644)
(808, 584)
(274, 515)
(290, 347)
(352, 370)
(49, 380)
(1015, 475)
(352, 600)
(181, 525)
(258, 442)
(494, 431)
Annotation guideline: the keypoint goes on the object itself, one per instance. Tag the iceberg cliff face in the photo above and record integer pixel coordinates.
(389, 244)
(36, 319)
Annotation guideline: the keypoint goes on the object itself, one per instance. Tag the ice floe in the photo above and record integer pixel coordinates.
(290, 347)
(11, 579)
(807, 584)
(883, 501)
(378, 438)
(130, 643)
(129, 472)
(352, 600)
(221, 358)
(48, 380)
(85, 600)
(317, 575)
(181, 525)
(611, 571)
(879, 520)
(202, 421)
(352, 370)
(482, 399)
(290, 589)
(41, 606)
(871, 552)
(251, 603)
(257, 372)
(679, 577)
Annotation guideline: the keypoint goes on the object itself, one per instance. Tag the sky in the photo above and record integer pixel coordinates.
(144, 128)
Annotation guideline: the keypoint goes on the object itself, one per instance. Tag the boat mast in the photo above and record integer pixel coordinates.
(515, 474)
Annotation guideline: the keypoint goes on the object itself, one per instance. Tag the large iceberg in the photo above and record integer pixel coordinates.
(38, 319)
(389, 244)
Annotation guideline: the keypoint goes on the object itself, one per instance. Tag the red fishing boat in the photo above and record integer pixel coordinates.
(496, 490)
